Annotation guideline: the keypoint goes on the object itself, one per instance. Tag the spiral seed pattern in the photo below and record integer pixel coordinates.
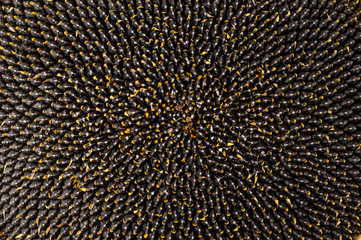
(180, 119)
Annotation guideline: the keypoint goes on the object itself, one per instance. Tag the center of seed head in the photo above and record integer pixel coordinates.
(187, 116)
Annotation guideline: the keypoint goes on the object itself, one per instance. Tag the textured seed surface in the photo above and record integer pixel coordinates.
(180, 119)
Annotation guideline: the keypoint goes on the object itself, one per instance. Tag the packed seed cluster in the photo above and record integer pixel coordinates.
(180, 119)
